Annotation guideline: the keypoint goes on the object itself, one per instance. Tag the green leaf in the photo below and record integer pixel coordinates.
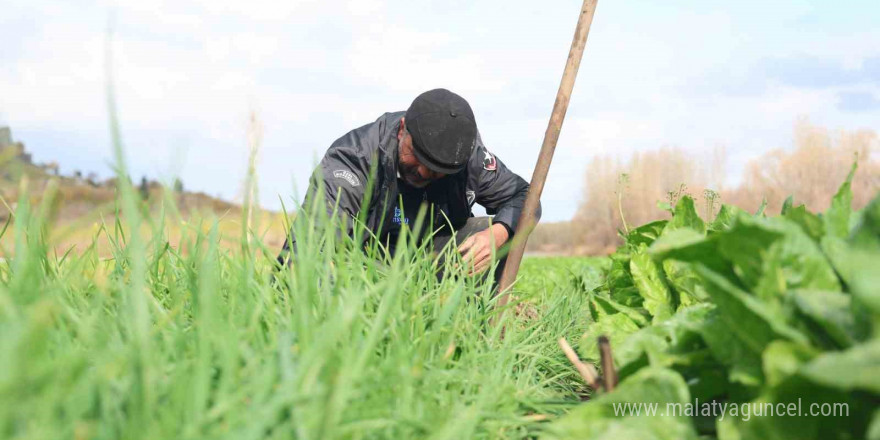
(760, 211)
(865, 259)
(603, 418)
(676, 239)
(809, 222)
(645, 234)
(675, 341)
(779, 250)
(664, 206)
(618, 275)
(745, 245)
(648, 279)
(685, 216)
(752, 321)
(615, 327)
(874, 428)
(787, 204)
(725, 218)
(743, 363)
(867, 233)
(833, 313)
(689, 246)
(601, 305)
(783, 412)
(687, 284)
(619, 282)
(771, 284)
(837, 216)
(857, 260)
(857, 368)
(782, 359)
(840, 254)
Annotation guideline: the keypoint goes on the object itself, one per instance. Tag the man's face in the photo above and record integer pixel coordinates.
(411, 170)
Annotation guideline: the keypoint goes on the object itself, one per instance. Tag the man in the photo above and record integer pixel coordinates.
(433, 154)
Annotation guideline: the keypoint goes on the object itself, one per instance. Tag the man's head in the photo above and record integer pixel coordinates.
(436, 137)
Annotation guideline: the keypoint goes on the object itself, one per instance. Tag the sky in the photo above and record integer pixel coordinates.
(691, 73)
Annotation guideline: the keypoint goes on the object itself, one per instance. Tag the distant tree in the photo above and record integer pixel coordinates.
(811, 172)
(144, 188)
(178, 185)
(5, 136)
(23, 155)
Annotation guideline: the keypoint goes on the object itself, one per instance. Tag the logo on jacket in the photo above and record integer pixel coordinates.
(398, 217)
(489, 163)
(348, 176)
(471, 197)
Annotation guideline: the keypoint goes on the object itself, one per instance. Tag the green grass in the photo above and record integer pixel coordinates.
(540, 277)
(192, 339)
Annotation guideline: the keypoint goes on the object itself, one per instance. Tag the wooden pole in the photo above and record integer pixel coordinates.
(587, 371)
(609, 374)
(551, 136)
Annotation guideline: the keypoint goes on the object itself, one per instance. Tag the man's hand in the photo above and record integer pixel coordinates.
(477, 249)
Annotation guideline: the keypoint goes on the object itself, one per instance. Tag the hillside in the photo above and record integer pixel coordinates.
(83, 202)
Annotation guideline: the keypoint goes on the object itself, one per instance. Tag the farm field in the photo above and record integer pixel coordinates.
(198, 339)
(275, 220)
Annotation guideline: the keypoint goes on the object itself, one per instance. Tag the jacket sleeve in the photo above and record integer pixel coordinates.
(341, 177)
(501, 191)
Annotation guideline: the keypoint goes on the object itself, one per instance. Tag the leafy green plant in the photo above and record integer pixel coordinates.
(744, 310)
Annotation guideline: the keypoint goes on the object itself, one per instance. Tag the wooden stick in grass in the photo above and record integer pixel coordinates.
(542, 167)
(609, 375)
(587, 371)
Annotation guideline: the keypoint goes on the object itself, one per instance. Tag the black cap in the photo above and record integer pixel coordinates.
(443, 130)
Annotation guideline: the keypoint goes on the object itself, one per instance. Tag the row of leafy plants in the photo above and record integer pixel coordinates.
(743, 327)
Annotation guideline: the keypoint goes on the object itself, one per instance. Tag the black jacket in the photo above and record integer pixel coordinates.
(345, 171)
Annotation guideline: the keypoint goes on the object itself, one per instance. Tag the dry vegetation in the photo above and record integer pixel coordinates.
(810, 171)
(83, 207)
(85, 204)
(81, 212)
